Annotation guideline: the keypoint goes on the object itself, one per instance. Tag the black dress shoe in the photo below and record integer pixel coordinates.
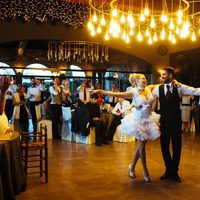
(165, 176)
(105, 142)
(98, 144)
(177, 178)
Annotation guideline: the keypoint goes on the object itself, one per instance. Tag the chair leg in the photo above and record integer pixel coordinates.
(26, 161)
(46, 165)
(41, 167)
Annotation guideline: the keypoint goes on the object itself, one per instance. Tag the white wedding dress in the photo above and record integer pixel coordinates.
(142, 123)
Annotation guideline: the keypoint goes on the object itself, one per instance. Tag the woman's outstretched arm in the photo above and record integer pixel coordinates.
(125, 95)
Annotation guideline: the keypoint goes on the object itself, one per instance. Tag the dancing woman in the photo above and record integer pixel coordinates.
(142, 123)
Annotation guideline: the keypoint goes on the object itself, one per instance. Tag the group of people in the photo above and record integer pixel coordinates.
(146, 125)
(142, 122)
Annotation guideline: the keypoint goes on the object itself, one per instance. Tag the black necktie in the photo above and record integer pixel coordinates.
(168, 94)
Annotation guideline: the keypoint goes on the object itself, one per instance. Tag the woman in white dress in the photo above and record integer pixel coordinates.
(142, 122)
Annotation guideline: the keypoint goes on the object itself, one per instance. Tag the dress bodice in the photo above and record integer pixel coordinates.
(143, 102)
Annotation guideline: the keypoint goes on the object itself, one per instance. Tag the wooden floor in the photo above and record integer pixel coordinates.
(80, 172)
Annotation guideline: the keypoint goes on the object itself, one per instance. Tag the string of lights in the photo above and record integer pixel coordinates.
(71, 13)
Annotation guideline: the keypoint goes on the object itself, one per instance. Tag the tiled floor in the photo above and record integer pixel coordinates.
(80, 172)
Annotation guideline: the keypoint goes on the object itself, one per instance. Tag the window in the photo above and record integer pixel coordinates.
(6, 71)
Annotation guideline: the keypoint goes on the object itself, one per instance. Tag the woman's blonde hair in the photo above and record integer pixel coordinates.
(133, 79)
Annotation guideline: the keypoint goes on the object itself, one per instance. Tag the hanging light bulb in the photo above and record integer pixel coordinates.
(139, 36)
(152, 23)
(179, 13)
(170, 36)
(147, 33)
(179, 21)
(127, 39)
(163, 34)
(93, 33)
(131, 32)
(94, 18)
(155, 37)
(103, 21)
(106, 36)
(146, 9)
(124, 35)
(99, 30)
(193, 36)
(164, 18)
(171, 24)
(173, 40)
(114, 12)
(89, 25)
(122, 20)
(150, 41)
(129, 17)
(142, 17)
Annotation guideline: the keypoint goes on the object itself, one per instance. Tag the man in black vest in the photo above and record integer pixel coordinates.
(169, 95)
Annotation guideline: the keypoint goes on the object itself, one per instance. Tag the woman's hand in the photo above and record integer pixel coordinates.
(176, 83)
(4, 83)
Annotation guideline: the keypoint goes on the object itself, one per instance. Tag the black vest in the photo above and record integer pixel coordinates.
(169, 109)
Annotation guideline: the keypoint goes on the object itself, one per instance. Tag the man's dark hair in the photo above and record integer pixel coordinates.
(94, 96)
(169, 70)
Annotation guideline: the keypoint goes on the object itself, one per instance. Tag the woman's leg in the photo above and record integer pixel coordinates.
(135, 159)
(142, 153)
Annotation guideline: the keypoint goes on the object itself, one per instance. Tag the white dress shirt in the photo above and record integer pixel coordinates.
(34, 93)
(182, 90)
(121, 107)
(80, 89)
(13, 89)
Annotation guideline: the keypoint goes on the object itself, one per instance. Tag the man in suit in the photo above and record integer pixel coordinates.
(169, 95)
(96, 120)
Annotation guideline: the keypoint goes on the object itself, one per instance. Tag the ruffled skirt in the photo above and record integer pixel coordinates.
(140, 126)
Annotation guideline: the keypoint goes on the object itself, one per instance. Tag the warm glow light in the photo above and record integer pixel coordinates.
(139, 36)
(121, 20)
(152, 24)
(142, 17)
(94, 18)
(103, 21)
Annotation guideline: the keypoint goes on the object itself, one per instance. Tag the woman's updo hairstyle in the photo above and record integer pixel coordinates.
(133, 79)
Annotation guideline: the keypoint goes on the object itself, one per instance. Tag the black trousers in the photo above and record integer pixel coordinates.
(56, 113)
(171, 132)
(33, 114)
(116, 121)
(99, 133)
(9, 107)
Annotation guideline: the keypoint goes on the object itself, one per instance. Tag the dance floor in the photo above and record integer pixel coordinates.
(84, 172)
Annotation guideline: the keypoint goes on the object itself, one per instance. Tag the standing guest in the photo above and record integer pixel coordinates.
(9, 99)
(112, 100)
(142, 123)
(169, 95)
(119, 112)
(186, 112)
(100, 96)
(84, 91)
(96, 120)
(34, 96)
(66, 93)
(20, 113)
(4, 84)
(56, 107)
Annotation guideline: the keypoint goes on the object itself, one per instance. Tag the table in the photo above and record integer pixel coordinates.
(12, 176)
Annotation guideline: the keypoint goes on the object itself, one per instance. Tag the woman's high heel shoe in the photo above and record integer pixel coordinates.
(147, 179)
(131, 172)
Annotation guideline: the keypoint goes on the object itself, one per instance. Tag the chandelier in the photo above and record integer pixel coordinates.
(146, 20)
(77, 51)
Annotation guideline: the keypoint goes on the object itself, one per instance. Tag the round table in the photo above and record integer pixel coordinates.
(12, 176)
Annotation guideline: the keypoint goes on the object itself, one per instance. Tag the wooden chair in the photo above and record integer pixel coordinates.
(34, 149)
